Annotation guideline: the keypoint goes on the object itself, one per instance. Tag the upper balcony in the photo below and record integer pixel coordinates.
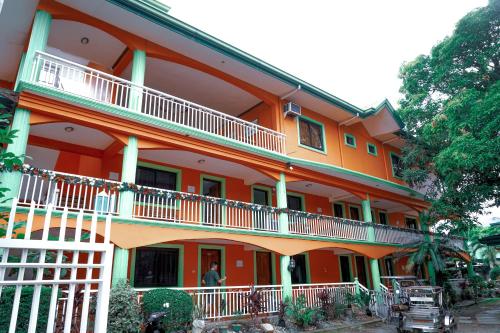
(73, 79)
(98, 196)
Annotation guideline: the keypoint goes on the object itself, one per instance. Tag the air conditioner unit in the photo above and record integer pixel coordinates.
(292, 109)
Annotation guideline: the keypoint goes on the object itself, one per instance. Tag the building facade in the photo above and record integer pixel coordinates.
(200, 152)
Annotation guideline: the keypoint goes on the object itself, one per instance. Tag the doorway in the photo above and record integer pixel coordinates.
(208, 255)
(212, 214)
(362, 270)
(300, 272)
(345, 268)
(263, 268)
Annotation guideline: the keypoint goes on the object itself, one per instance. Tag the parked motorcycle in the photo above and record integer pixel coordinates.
(154, 322)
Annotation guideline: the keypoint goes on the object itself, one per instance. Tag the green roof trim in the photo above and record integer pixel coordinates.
(162, 18)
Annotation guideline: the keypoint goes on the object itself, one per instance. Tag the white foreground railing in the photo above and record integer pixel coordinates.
(181, 207)
(311, 291)
(64, 190)
(84, 81)
(46, 279)
(326, 226)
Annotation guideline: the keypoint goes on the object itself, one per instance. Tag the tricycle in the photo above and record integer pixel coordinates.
(421, 309)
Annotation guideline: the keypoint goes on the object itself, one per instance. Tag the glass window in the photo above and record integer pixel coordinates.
(411, 223)
(311, 134)
(350, 140)
(294, 202)
(261, 197)
(338, 210)
(382, 217)
(354, 213)
(156, 178)
(299, 273)
(397, 166)
(212, 188)
(156, 267)
(372, 149)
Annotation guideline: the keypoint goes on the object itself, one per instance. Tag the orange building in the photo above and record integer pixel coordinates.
(200, 152)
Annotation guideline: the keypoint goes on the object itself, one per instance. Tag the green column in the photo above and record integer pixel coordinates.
(430, 267)
(120, 265)
(286, 276)
(129, 167)
(21, 124)
(138, 73)
(38, 40)
(367, 215)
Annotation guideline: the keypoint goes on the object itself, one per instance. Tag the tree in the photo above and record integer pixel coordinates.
(481, 251)
(451, 108)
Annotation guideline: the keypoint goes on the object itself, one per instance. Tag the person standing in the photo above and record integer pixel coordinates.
(212, 279)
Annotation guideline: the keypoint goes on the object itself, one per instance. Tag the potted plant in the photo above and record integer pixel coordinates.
(349, 299)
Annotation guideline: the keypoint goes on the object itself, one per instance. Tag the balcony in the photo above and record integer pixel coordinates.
(88, 83)
(92, 195)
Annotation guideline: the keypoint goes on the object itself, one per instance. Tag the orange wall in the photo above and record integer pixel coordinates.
(262, 112)
(324, 266)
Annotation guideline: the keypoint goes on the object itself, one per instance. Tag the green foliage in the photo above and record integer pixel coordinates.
(124, 310)
(24, 309)
(177, 304)
(450, 295)
(450, 106)
(486, 254)
(301, 314)
(495, 273)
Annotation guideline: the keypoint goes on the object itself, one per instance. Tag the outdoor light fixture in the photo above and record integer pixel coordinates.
(291, 265)
(69, 129)
(309, 185)
(84, 40)
(289, 166)
(201, 161)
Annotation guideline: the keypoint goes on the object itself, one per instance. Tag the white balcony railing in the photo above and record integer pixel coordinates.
(311, 291)
(67, 190)
(181, 207)
(87, 82)
(92, 194)
(326, 226)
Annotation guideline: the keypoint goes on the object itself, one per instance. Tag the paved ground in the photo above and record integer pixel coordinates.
(481, 318)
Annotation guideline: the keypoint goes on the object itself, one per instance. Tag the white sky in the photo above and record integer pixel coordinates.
(352, 49)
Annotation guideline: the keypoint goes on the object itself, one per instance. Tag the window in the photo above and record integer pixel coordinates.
(294, 202)
(372, 149)
(350, 140)
(311, 134)
(261, 197)
(411, 223)
(354, 213)
(345, 268)
(397, 166)
(338, 210)
(156, 178)
(156, 267)
(299, 273)
(382, 217)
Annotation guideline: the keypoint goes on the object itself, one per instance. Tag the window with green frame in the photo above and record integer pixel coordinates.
(397, 165)
(372, 149)
(158, 178)
(311, 134)
(350, 140)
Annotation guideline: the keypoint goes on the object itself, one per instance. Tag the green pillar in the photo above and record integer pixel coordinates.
(286, 276)
(129, 166)
(138, 73)
(21, 124)
(38, 40)
(367, 215)
(430, 267)
(120, 265)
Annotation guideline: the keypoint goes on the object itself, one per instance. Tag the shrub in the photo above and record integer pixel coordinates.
(177, 304)
(23, 315)
(302, 315)
(495, 273)
(124, 310)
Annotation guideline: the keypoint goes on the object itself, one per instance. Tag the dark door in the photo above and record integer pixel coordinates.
(345, 269)
(208, 256)
(294, 202)
(261, 197)
(299, 274)
(338, 210)
(361, 269)
(264, 268)
(354, 213)
(411, 223)
(212, 213)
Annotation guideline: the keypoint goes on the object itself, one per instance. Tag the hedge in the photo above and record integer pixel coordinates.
(179, 311)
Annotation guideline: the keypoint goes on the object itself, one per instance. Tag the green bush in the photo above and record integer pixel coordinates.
(176, 303)
(495, 273)
(301, 314)
(124, 310)
(23, 316)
